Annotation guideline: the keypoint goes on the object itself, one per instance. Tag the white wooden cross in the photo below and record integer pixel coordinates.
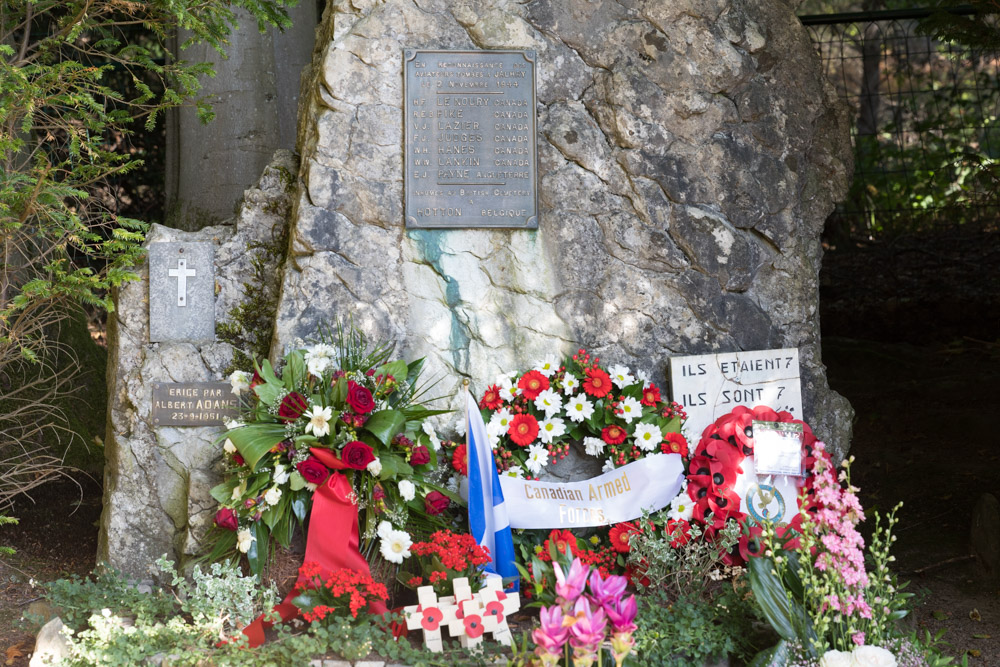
(182, 273)
(430, 616)
(497, 606)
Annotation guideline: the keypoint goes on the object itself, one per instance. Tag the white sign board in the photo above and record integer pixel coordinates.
(711, 385)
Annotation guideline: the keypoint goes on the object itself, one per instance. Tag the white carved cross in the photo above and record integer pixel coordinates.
(182, 273)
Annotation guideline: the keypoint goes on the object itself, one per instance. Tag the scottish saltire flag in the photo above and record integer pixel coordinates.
(487, 511)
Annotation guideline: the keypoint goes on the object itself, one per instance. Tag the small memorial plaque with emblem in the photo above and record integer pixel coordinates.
(181, 291)
(193, 403)
(469, 152)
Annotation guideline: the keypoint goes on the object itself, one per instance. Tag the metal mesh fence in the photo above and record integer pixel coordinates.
(925, 121)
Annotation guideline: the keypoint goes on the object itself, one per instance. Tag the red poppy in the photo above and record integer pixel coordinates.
(523, 429)
(491, 398)
(650, 395)
(532, 384)
(750, 544)
(473, 625)
(597, 383)
(613, 434)
(431, 618)
(460, 459)
(675, 443)
(762, 413)
(620, 535)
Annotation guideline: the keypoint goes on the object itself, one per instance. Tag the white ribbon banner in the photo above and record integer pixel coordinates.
(620, 495)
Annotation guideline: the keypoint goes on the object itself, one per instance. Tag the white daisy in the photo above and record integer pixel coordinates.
(630, 409)
(579, 408)
(506, 384)
(493, 439)
(383, 530)
(609, 465)
(514, 471)
(272, 496)
(621, 376)
(244, 539)
(375, 467)
(551, 428)
(681, 507)
(240, 382)
(537, 459)
(643, 377)
(281, 474)
(320, 357)
(547, 366)
(460, 426)
(548, 402)
(395, 546)
(499, 422)
(570, 383)
(593, 446)
(406, 490)
(647, 436)
(319, 420)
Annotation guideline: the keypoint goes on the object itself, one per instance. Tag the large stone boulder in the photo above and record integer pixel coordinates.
(689, 152)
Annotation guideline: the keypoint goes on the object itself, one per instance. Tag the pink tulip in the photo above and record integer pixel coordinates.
(570, 587)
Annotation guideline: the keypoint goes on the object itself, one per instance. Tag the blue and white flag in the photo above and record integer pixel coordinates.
(487, 512)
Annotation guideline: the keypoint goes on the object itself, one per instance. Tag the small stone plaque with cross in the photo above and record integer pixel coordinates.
(181, 291)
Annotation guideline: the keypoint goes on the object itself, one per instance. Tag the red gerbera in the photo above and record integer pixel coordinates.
(523, 429)
(491, 398)
(532, 384)
(460, 459)
(676, 443)
(650, 395)
(620, 535)
(613, 434)
(598, 383)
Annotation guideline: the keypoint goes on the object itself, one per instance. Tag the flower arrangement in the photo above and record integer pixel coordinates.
(340, 593)
(532, 417)
(447, 556)
(334, 405)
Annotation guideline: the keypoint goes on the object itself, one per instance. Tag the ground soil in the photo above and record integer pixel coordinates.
(911, 338)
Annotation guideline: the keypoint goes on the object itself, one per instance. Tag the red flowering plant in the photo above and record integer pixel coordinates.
(339, 593)
(444, 557)
(335, 404)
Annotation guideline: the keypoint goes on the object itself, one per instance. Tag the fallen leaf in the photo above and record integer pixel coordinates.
(980, 636)
(974, 615)
(974, 653)
(14, 652)
(939, 615)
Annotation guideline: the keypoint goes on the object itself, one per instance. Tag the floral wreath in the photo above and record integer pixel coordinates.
(532, 417)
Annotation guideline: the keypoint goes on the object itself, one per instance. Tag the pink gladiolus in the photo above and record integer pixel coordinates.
(606, 591)
(570, 587)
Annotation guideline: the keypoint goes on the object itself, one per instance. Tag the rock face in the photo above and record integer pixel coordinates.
(157, 479)
(689, 152)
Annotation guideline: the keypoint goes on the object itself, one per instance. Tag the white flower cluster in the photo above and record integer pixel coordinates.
(862, 656)
(394, 544)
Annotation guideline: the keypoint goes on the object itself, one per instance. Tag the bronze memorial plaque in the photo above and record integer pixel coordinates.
(193, 403)
(469, 153)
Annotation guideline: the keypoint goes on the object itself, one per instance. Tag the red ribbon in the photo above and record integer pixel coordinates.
(332, 542)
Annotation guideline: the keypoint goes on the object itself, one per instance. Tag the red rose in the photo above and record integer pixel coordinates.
(523, 429)
(357, 455)
(419, 456)
(532, 384)
(650, 395)
(613, 434)
(436, 502)
(226, 518)
(238, 460)
(292, 407)
(359, 398)
(460, 460)
(313, 470)
(491, 399)
(598, 383)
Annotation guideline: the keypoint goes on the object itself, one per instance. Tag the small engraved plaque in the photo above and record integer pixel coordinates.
(470, 154)
(181, 291)
(193, 403)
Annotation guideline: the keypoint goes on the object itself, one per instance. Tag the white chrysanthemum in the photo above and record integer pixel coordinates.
(548, 402)
(383, 530)
(609, 465)
(538, 458)
(499, 422)
(681, 507)
(228, 447)
(547, 366)
(630, 409)
(621, 376)
(375, 467)
(272, 496)
(281, 473)
(460, 426)
(395, 546)
(517, 472)
(551, 428)
(579, 408)
(244, 540)
(647, 436)
(593, 446)
(406, 490)
(836, 659)
(570, 383)
(319, 420)
(240, 382)
(319, 358)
